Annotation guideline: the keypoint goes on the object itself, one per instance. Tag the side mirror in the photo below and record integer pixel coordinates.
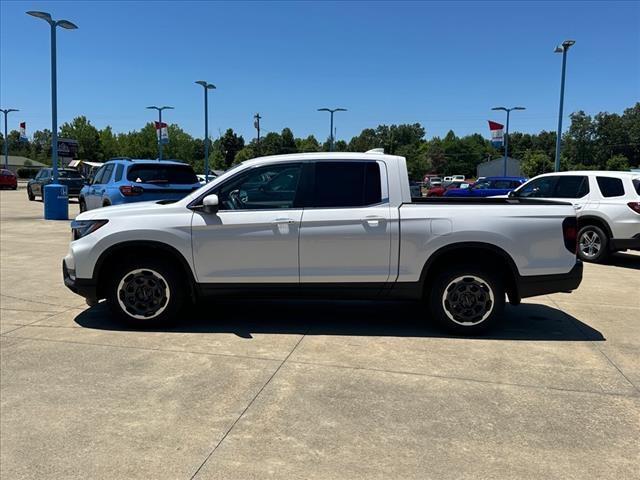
(512, 194)
(210, 204)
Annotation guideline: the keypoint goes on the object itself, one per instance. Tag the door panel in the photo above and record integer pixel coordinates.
(257, 246)
(345, 245)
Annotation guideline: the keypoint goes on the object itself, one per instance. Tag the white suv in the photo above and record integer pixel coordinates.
(607, 204)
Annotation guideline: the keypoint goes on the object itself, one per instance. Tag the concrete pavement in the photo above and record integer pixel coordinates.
(310, 390)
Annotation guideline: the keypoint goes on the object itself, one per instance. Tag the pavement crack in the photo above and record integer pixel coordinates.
(248, 406)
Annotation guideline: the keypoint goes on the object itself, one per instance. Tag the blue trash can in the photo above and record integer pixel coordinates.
(56, 202)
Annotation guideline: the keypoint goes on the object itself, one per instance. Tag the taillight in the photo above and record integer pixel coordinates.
(131, 190)
(635, 206)
(570, 233)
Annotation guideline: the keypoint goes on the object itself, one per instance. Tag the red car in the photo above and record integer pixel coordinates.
(439, 191)
(8, 179)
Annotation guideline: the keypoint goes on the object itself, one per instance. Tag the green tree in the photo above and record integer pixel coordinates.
(619, 163)
(230, 144)
(535, 163)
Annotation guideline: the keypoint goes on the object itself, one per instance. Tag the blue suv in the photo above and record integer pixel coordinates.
(123, 180)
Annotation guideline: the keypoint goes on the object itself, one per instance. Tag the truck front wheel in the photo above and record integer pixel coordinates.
(467, 300)
(145, 293)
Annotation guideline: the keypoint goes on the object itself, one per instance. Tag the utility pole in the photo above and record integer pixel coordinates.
(256, 124)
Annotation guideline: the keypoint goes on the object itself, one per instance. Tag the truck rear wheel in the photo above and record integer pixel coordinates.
(145, 293)
(467, 300)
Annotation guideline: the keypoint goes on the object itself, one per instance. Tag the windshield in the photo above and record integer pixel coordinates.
(162, 174)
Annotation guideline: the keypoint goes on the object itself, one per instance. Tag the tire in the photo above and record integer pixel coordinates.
(593, 244)
(30, 195)
(83, 205)
(145, 292)
(106, 204)
(467, 300)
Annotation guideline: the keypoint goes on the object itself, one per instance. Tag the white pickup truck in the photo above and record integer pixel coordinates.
(332, 225)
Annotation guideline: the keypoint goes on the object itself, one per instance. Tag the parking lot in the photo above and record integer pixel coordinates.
(266, 389)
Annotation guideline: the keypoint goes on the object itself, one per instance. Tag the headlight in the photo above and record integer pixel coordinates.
(82, 228)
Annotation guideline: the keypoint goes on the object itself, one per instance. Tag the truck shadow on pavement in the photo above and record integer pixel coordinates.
(624, 260)
(348, 318)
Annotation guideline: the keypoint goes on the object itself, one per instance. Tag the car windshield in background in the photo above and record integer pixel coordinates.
(161, 174)
(69, 174)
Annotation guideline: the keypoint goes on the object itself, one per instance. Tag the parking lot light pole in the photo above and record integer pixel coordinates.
(331, 111)
(207, 87)
(506, 136)
(56, 205)
(6, 138)
(160, 109)
(564, 48)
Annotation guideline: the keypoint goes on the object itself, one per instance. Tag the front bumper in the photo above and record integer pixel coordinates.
(625, 243)
(85, 287)
(531, 286)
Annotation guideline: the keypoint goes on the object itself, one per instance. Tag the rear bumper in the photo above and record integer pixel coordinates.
(625, 243)
(532, 286)
(85, 287)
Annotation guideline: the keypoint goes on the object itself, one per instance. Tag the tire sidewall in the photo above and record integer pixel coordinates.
(30, 194)
(170, 274)
(604, 241)
(82, 205)
(437, 290)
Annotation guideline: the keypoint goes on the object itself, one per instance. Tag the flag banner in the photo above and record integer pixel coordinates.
(497, 135)
(23, 131)
(162, 132)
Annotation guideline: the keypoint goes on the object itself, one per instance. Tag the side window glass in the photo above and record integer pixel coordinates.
(97, 179)
(264, 188)
(610, 186)
(119, 170)
(346, 184)
(540, 188)
(107, 173)
(571, 186)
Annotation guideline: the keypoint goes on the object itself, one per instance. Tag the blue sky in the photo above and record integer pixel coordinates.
(441, 64)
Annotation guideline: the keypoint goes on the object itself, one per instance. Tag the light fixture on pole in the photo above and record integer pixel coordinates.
(6, 138)
(331, 111)
(56, 199)
(506, 135)
(207, 87)
(159, 109)
(563, 49)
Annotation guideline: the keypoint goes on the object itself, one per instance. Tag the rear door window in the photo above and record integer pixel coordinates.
(571, 186)
(119, 170)
(636, 185)
(162, 174)
(346, 184)
(610, 186)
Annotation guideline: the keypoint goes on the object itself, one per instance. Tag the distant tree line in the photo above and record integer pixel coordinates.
(604, 141)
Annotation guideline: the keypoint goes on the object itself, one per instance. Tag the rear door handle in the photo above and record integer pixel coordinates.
(285, 221)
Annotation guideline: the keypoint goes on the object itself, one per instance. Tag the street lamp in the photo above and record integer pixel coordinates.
(563, 49)
(6, 139)
(56, 199)
(160, 109)
(506, 135)
(207, 87)
(332, 111)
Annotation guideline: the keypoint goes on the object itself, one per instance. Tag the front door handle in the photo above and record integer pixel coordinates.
(373, 221)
